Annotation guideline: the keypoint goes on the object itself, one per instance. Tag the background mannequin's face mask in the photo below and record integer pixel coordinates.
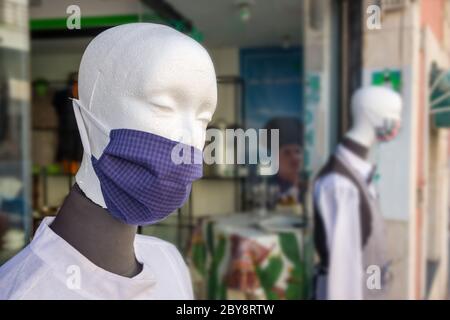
(388, 130)
(140, 183)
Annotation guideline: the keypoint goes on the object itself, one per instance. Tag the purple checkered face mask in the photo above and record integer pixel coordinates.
(140, 182)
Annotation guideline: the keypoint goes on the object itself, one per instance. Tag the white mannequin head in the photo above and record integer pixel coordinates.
(374, 109)
(145, 77)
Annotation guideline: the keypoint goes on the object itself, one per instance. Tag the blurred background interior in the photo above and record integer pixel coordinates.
(281, 64)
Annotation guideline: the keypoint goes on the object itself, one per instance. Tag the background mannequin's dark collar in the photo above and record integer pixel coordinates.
(358, 149)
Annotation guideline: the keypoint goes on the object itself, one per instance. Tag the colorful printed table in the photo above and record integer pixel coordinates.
(232, 257)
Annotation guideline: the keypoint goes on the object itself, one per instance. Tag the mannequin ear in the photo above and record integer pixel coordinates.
(81, 126)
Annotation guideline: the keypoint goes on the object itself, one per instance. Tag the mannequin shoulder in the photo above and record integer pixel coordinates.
(20, 274)
(335, 183)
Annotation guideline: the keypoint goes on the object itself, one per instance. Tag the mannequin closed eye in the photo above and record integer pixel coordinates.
(166, 100)
(164, 107)
(204, 116)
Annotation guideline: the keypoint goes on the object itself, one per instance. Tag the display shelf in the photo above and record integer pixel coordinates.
(15, 208)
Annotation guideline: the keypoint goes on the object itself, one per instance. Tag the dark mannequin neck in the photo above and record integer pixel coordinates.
(98, 236)
(358, 149)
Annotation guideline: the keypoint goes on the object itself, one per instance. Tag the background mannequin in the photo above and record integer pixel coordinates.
(348, 226)
(142, 77)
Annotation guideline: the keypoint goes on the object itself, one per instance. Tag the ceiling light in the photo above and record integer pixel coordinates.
(244, 11)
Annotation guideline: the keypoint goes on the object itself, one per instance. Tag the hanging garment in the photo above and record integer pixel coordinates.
(4, 116)
(50, 268)
(349, 234)
(69, 142)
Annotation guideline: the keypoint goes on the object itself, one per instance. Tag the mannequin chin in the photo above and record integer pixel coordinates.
(146, 77)
(372, 108)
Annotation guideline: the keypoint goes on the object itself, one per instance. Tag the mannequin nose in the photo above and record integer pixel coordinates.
(186, 133)
(193, 135)
(190, 131)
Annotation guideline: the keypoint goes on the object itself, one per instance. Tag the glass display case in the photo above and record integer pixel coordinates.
(15, 209)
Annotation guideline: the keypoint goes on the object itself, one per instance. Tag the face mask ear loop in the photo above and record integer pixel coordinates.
(81, 126)
(98, 124)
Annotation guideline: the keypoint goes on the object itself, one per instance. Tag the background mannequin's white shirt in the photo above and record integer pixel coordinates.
(46, 267)
(337, 199)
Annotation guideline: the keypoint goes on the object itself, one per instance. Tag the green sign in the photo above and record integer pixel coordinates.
(388, 78)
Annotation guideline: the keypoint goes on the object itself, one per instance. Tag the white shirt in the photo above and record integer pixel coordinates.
(50, 268)
(337, 199)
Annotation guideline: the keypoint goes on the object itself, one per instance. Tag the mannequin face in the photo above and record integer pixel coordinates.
(377, 115)
(385, 115)
(152, 79)
(145, 77)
